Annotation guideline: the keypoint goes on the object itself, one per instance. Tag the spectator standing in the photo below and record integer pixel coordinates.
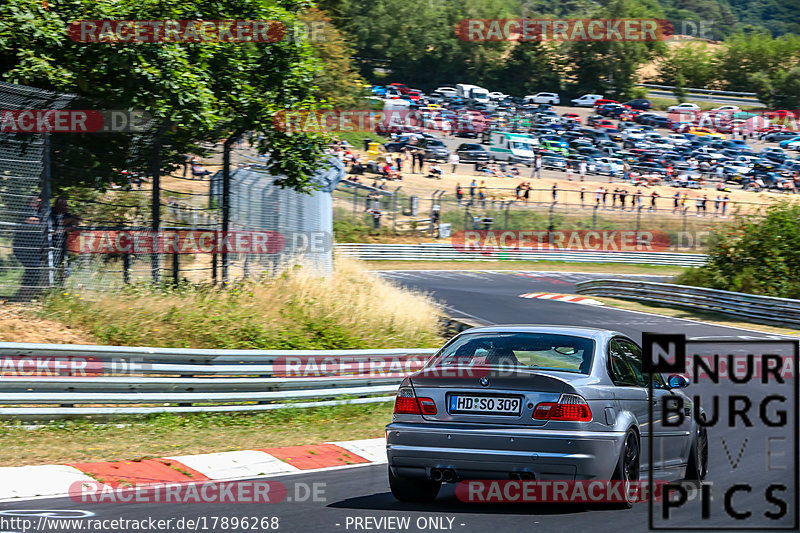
(459, 193)
(569, 171)
(582, 170)
(537, 165)
(605, 193)
(653, 196)
(583, 191)
(472, 187)
(526, 195)
(454, 160)
(598, 195)
(28, 246)
(717, 202)
(482, 194)
(639, 199)
(725, 204)
(622, 194)
(555, 192)
(676, 199)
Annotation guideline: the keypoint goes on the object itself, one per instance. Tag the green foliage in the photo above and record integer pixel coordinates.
(779, 90)
(754, 254)
(747, 54)
(693, 62)
(680, 88)
(194, 91)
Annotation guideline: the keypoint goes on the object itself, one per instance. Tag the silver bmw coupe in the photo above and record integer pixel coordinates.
(538, 403)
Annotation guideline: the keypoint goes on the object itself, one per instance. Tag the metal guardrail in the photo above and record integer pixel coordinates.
(55, 380)
(691, 90)
(764, 308)
(446, 252)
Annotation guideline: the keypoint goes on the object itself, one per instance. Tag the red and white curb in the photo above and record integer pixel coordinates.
(571, 298)
(24, 482)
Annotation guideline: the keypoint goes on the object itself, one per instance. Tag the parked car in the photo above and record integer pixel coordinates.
(543, 98)
(686, 106)
(604, 101)
(639, 103)
(538, 390)
(471, 153)
(587, 100)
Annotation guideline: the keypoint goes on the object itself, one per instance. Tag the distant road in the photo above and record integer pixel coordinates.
(719, 99)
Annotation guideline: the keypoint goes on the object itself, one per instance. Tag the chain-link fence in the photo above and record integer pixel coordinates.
(28, 255)
(119, 213)
(360, 208)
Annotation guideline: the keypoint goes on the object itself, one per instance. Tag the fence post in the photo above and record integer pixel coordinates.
(638, 218)
(155, 172)
(176, 269)
(394, 209)
(48, 221)
(226, 200)
(126, 268)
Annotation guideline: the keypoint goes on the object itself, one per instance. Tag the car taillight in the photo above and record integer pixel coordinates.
(406, 403)
(570, 407)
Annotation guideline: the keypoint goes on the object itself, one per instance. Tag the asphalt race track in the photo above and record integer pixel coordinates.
(493, 297)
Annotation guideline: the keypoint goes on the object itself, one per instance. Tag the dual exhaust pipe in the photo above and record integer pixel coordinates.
(447, 475)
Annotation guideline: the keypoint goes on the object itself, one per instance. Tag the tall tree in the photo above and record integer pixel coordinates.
(199, 91)
(611, 66)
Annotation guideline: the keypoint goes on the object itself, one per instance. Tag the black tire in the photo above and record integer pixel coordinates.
(627, 469)
(413, 490)
(697, 468)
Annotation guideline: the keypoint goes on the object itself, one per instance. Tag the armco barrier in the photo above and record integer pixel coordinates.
(446, 252)
(761, 308)
(180, 380)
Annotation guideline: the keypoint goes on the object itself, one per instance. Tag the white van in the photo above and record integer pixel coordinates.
(512, 147)
(587, 100)
(464, 90)
(480, 95)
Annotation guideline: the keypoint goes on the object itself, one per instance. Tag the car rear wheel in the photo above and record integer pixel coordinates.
(697, 468)
(413, 490)
(627, 470)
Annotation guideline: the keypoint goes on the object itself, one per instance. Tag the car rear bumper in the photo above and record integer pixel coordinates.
(477, 453)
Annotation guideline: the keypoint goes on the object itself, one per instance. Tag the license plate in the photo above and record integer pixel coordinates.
(488, 405)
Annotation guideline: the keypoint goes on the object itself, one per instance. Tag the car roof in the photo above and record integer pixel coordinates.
(580, 331)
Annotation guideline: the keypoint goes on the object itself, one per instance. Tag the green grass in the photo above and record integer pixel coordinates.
(153, 436)
(295, 310)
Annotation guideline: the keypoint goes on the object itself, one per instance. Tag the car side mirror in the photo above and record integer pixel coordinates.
(676, 381)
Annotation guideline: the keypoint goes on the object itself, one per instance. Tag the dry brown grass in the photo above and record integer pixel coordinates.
(17, 324)
(297, 309)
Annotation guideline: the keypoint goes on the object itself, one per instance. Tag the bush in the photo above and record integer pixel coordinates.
(754, 254)
(295, 310)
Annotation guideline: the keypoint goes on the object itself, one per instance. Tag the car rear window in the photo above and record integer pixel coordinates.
(526, 351)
